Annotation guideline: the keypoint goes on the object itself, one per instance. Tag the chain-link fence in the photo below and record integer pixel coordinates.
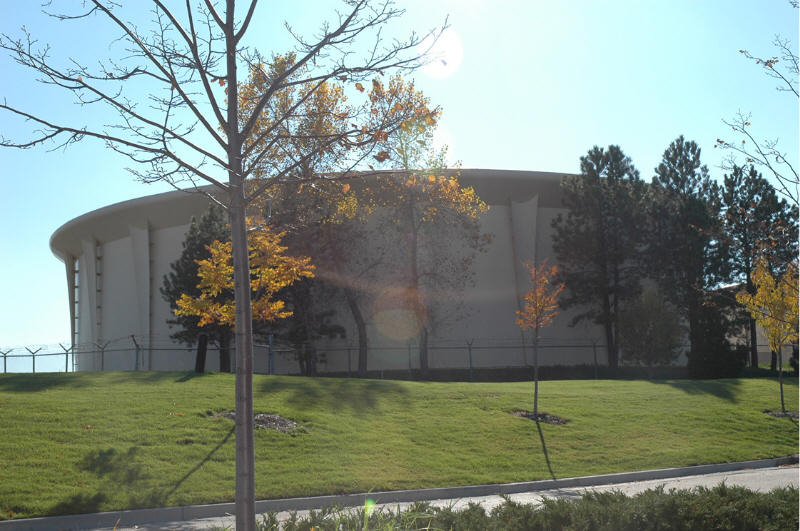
(333, 358)
(132, 353)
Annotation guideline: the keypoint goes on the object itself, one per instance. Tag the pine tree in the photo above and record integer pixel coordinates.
(756, 225)
(183, 279)
(597, 242)
(684, 252)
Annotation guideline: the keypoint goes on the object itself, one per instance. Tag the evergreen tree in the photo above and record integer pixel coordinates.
(756, 225)
(183, 279)
(684, 252)
(650, 330)
(598, 241)
(311, 320)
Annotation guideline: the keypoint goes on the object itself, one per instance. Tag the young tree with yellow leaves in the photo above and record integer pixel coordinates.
(774, 306)
(541, 307)
(270, 271)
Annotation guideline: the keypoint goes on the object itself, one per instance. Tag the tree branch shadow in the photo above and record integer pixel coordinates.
(203, 461)
(726, 389)
(544, 449)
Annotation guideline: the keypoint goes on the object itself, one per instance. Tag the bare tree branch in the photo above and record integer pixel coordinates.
(766, 153)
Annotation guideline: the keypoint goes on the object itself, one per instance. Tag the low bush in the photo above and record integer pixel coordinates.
(721, 507)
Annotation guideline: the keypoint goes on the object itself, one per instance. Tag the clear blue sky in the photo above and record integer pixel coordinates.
(539, 84)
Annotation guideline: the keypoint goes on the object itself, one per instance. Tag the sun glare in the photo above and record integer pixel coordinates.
(445, 55)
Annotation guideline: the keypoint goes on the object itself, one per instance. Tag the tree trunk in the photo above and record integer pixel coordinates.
(311, 358)
(773, 361)
(753, 344)
(780, 380)
(361, 325)
(245, 438)
(536, 375)
(423, 352)
(611, 344)
(694, 310)
(611, 347)
(751, 289)
(224, 353)
(200, 358)
(415, 301)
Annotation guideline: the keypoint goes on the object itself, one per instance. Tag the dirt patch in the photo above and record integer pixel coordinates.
(781, 414)
(265, 421)
(547, 418)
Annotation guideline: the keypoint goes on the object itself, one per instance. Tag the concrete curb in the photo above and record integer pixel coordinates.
(192, 512)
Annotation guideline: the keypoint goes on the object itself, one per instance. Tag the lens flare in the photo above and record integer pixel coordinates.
(394, 316)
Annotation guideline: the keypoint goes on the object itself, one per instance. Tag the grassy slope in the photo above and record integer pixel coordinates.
(90, 442)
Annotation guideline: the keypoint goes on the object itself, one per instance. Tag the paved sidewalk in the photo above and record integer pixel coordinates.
(763, 480)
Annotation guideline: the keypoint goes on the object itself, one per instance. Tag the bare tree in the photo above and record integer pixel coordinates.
(783, 67)
(172, 90)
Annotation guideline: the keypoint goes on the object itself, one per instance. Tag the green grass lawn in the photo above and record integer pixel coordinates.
(89, 442)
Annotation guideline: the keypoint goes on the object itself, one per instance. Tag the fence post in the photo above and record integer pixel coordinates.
(33, 356)
(66, 356)
(6, 353)
(138, 349)
(594, 349)
(102, 354)
(469, 348)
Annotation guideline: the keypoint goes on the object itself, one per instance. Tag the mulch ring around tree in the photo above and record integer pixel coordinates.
(547, 418)
(264, 421)
(780, 414)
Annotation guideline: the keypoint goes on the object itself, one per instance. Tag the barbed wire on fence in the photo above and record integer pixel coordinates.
(134, 352)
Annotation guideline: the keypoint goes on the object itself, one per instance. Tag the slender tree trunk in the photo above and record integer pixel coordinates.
(311, 359)
(200, 358)
(536, 374)
(611, 344)
(245, 438)
(423, 352)
(780, 380)
(416, 299)
(361, 325)
(752, 324)
(694, 328)
(753, 344)
(224, 352)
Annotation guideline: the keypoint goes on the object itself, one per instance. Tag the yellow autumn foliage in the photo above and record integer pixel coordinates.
(541, 302)
(270, 271)
(774, 305)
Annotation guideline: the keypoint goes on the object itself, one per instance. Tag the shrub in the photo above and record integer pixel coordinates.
(721, 507)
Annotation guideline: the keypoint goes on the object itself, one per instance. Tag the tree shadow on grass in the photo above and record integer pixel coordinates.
(359, 395)
(200, 463)
(120, 467)
(122, 472)
(191, 376)
(79, 504)
(725, 389)
(544, 449)
(32, 383)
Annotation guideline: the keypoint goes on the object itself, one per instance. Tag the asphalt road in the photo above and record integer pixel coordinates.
(763, 479)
